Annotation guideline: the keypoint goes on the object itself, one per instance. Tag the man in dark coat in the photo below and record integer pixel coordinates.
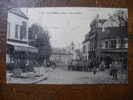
(114, 70)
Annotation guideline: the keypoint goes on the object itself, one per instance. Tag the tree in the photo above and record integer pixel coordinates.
(120, 17)
(40, 38)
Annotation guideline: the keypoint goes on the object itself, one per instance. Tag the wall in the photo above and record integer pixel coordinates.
(87, 46)
(13, 20)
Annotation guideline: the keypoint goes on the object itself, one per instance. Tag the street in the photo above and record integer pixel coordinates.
(61, 76)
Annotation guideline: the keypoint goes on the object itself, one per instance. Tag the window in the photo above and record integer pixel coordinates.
(106, 44)
(16, 31)
(84, 51)
(88, 47)
(23, 30)
(112, 43)
(126, 43)
(93, 44)
(8, 29)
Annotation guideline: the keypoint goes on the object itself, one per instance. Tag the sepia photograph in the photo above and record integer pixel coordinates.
(67, 45)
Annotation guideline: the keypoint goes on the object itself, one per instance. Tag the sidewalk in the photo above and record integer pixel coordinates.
(29, 77)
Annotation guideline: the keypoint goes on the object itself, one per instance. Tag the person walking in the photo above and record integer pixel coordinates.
(114, 70)
(102, 66)
(94, 70)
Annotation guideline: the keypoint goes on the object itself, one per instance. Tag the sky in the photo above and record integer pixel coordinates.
(66, 24)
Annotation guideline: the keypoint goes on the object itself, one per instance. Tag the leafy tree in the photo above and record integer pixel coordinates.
(40, 38)
(120, 17)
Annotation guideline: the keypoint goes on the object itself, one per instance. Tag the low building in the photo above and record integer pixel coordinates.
(61, 56)
(18, 49)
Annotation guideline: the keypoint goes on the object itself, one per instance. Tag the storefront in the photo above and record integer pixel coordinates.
(20, 56)
(119, 55)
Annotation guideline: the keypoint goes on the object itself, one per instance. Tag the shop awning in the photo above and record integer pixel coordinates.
(23, 47)
(115, 50)
(26, 49)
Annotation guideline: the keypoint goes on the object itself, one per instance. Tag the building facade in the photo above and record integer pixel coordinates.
(86, 48)
(108, 41)
(114, 43)
(94, 37)
(18, 49)
(61, 56)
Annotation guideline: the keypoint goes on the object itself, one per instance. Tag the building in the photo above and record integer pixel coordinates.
(86, 48)
(18, 49)
(61, 56)
(91, 44)
(114, 42)
(75, 50)
(107, 40)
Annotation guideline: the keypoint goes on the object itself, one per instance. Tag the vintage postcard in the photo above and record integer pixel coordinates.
(67, 45)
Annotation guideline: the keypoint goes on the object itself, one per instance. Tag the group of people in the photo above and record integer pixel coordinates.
(95, 66)
(114, 68)
(51, 64)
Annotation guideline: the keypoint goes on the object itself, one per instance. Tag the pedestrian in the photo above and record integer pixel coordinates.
(102, 66)
(53, 65)
(94, 70)
(114, 70)
(95, 67)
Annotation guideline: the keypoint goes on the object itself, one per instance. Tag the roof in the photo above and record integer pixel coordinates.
(110, 23)
(18, 12)
(115, 32)
(86, 38)
(98, 20)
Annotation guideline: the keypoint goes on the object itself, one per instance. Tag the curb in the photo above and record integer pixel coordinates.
(45, 77)
(40, 79)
